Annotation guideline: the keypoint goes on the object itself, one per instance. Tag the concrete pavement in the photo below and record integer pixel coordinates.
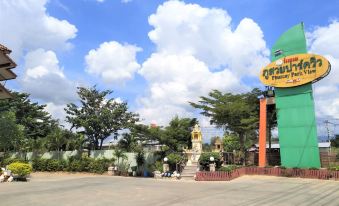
(105, 190)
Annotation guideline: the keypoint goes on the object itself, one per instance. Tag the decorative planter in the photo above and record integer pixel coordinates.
(322, 174)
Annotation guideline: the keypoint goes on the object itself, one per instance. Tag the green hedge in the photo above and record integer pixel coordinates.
(73, 165)
(229, 168)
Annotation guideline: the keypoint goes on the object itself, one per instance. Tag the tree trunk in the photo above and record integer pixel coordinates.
(242, 148)
(101, 141)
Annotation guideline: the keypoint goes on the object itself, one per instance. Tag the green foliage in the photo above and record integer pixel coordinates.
(230, 143)
(52, 165)
(19, 168)
(98, 115)
(238, 113)
(123, 166)
(204, 159)
(99, 166)
(119, 154)
(334, 168)
(128, 142)
(75, 166)
(207, 147)
(158, 166)
(140, 158)
(8, 161)
(175, 136)
(11, 134)
(173, 158)
(37, 123)
(335, 142)
(228, 168)
(56, 139)
(314, 168)
(39, 164)
(178, 134)
(84, 164)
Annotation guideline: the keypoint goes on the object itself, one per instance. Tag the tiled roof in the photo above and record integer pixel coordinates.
(3, 48)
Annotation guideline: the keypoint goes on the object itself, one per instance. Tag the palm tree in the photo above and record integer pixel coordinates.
(119, 153)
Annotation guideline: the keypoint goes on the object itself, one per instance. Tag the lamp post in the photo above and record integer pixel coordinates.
(212, 164)
(165, 166)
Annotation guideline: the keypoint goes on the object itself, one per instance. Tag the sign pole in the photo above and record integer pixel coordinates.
(262, 132)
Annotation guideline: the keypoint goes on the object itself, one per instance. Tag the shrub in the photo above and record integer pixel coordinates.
(52, 165)
(98, 166)
(313, 168)
(39, 164)
(9, 161)
(228, 168)
(204, 160)
(75, 166)
(173, 159)
(21, 169)
(158, 166)
(140, 158)
(123, 167)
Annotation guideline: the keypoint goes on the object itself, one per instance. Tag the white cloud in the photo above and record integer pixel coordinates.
(174, 80)
(113, 62)
(197, 51)
(57, 111)
(207, 34)
(26, 25)
(324, 41)
(45, 80)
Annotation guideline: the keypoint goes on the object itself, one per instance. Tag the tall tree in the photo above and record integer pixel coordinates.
(238, 113)
(177, 134)
(11, 134)
(98, 115)
(32, 116)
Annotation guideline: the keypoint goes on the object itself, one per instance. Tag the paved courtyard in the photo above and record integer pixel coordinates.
(104, 190)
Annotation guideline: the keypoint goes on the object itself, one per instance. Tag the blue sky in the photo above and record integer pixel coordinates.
(159, 63)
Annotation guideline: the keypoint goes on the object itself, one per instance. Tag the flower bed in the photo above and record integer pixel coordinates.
(322, 174)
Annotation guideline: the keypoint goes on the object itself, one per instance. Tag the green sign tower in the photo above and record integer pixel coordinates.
(295, 109)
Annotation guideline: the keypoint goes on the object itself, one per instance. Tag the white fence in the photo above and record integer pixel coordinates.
(97, 154)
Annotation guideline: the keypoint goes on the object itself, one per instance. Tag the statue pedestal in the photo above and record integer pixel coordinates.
(192, 158)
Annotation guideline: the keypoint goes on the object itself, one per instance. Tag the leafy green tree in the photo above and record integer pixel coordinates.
(98, 115)
(238, 113)
(11, 134)
(231, 143)
(177, 134)
(36, 122)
